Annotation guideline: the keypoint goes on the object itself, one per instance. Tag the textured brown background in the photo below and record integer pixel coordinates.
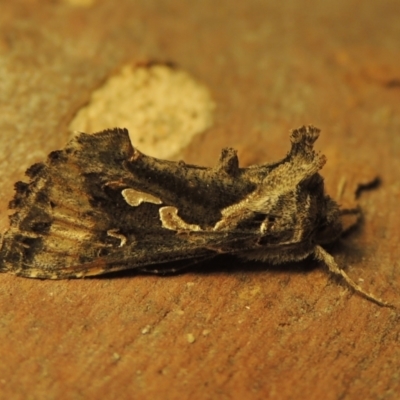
(239, 329)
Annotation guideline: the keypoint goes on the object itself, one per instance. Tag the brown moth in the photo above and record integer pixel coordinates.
(100, 205)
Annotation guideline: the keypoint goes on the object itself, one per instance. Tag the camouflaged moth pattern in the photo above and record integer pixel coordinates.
(100, 205)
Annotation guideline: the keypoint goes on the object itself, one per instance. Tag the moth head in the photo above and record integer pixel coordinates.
(292, 196)
(301, 213)
(329, 226)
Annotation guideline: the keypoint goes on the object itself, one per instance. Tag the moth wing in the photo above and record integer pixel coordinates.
(75, 217)
(60, 236)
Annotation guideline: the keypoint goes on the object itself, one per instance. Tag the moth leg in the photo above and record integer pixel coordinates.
(341, 187)
(321, 255)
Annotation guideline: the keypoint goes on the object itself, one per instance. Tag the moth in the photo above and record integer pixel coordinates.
(100, 205)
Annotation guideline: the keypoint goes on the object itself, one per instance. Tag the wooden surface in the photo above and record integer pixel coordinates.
(229, 330)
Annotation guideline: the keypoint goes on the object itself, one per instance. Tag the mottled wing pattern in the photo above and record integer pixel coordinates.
(77, 216)
(100, 205)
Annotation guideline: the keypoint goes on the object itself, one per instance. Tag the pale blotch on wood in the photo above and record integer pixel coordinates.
(134, 197)
(163, 107)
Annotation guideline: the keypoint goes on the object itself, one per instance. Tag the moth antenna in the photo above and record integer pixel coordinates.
(322, 255)
(341, 187)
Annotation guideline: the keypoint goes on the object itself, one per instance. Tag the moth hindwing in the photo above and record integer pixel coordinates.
(99, 205)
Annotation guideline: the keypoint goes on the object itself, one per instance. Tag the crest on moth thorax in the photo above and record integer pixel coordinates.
(99, 205)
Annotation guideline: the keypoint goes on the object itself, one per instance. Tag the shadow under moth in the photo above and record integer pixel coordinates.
(99, 205)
